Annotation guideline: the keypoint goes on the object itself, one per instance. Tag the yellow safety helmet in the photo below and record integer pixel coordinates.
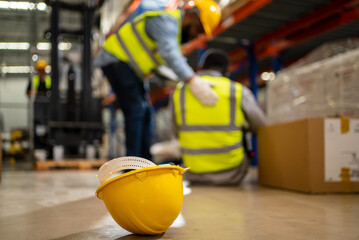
(144, 201)
(210, 14)
(41, 65)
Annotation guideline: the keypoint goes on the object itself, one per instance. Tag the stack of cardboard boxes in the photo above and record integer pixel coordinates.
(308, 146)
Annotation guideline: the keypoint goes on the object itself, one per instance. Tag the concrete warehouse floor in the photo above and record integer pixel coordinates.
(62, 205)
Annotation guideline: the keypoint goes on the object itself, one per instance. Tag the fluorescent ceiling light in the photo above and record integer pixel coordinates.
(14, 45)
(15, 5)
(41, 6)
(43, 46)
(63, 46)
(16, 69)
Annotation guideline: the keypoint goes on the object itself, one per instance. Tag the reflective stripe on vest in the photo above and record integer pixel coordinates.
(132, 45)
(36, 82)
(210, 136)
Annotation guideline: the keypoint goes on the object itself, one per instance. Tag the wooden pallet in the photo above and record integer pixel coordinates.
(80, 164)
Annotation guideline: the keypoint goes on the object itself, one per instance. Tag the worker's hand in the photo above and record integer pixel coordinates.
(31, 93)
(109, 99)
(202, 91)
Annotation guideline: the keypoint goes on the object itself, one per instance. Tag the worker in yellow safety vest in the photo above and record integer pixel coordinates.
(146, 44)
(211, 137)
(41, 82)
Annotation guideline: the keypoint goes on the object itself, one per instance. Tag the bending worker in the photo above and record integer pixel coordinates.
(211, 137)
(40, 83)
(140, 47)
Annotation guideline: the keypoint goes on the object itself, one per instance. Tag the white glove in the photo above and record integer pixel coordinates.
(166, 150)
(203, 92)
(168, 73)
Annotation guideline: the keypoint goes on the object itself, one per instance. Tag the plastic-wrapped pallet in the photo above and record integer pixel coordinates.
(325, 88)
(328, 50)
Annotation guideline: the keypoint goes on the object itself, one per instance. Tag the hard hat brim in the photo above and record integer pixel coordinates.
(159, 167)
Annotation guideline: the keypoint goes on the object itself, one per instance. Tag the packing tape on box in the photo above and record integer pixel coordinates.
(345, 180)
(344, 125)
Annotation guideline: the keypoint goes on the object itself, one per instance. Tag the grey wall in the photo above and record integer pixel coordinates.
(14, 102)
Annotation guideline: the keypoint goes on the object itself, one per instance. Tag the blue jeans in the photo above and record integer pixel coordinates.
(132, 99)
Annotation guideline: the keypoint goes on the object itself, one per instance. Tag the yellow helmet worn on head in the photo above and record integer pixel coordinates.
(210, 14)
(143, 201)
(41, 65)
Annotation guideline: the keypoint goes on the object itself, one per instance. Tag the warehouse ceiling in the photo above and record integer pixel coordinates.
(272, 16)
(288, 29)
(29, 26)
(285, 28)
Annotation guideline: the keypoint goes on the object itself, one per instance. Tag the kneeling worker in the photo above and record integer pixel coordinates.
(211, 137)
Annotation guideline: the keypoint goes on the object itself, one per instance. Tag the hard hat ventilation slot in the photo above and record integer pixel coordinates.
(132, 166)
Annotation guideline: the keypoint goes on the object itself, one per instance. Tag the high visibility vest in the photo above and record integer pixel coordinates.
(210, 136)
(132, 45)
(36, 82)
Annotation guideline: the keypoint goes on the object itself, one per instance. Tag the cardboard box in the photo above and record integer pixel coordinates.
(315, 155)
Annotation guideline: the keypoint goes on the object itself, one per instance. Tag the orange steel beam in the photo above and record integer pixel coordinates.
(330, 24)
(316, 30)
(236, 17)
(344, 18)
(296, 25)
(307, 20)
(199, 42)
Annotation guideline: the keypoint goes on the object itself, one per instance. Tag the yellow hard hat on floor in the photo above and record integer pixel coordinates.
(143, 201)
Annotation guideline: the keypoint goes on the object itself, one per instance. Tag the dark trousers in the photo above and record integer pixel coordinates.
(132, 99)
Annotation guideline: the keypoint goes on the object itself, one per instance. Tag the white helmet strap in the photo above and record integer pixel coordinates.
(120, 164)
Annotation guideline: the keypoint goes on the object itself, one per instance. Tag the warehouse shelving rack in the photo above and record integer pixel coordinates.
(262, 35)
(266, 35)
